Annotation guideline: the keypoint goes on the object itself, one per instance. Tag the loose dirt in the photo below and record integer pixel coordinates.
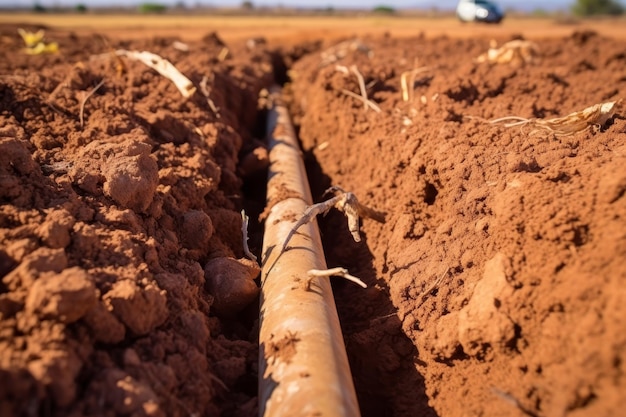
(496, 285)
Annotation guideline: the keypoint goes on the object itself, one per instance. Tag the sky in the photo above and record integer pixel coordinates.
(527, 5)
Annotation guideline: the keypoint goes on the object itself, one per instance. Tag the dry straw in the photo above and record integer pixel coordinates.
(597, 115)
(407, 82)
(514, 52)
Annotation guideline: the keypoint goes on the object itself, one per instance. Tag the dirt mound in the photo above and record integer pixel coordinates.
(120, 229)
(503, 249)
(496, 285)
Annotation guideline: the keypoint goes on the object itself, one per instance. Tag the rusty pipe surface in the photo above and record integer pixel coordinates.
(303, 366)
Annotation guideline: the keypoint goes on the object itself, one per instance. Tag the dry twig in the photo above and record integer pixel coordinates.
(596, 115)
(345, 202)
(84, 98)
(338, 272)
(244, 231)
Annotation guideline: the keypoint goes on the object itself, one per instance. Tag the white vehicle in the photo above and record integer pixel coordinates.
(479, 11)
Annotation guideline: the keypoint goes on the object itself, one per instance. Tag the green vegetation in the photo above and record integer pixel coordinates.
(597, 7)
(384, 9)
(38, 8)
(80, 8)
(152, 8)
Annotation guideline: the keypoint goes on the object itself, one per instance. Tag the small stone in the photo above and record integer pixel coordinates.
(231, 282)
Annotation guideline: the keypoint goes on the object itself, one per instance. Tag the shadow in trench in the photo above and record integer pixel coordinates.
(382, 358)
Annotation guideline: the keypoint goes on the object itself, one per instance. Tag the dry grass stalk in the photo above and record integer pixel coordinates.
(517, 52)
(83, 100)
(367, 103)
(206, 92)
(163, 67)
(338, 272)
(596, 115)
(361, 81)
(223, 54)
(407, 94)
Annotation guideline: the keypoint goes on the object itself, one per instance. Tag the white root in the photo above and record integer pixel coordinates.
(338, 272)
(163, 67)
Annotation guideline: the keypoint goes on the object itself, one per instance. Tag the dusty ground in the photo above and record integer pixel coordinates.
(496, 286)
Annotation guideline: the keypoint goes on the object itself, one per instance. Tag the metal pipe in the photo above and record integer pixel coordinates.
(304, 368)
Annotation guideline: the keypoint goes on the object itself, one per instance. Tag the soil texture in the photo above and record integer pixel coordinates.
(496, 286)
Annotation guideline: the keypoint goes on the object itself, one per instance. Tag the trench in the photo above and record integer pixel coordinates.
(382, 358)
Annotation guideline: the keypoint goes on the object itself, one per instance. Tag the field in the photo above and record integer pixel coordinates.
(495, 286)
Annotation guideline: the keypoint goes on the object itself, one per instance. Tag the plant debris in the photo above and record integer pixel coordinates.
(244, 231)
(597, 115)
(163, 67)
(367, 103)
(517, 52)
(407, 94)
(345, 202)
(338, 272)
(35, 44)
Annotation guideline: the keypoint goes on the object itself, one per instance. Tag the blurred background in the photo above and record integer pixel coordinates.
(397, 7)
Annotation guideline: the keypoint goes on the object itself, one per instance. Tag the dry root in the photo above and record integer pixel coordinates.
(517, 52)
(345, 202)
(596, 115)
(338, 272)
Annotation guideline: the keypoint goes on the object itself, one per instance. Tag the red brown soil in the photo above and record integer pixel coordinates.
(496, 286)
